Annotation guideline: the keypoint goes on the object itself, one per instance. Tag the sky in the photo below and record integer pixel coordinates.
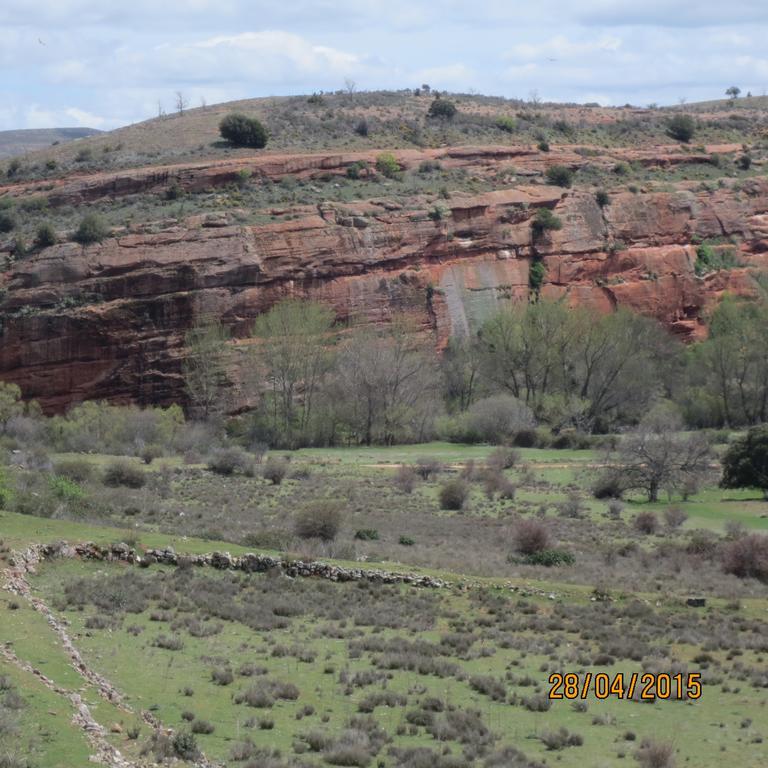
(103, 64)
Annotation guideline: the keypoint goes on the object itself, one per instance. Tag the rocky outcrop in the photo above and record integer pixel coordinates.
(108, 321)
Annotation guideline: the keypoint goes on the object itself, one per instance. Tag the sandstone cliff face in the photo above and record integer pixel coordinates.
(108, 321)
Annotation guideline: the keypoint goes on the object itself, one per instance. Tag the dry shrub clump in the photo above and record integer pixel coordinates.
(453, 494)
(747, 557)
(531, 536)
(319, 520)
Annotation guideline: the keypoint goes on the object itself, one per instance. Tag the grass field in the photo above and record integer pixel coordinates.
(359, 674)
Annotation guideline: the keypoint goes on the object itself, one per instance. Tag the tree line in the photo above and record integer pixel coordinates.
(312, 381)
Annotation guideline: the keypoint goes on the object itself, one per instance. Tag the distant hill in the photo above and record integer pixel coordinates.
(21, 141)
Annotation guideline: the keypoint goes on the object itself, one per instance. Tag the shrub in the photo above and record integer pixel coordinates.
(560, 739)
(747, 557)
(185, 745)
(497, 418)
(656, 754)
(602, 198)
(124, 472)
(243, 131)
(426, 467)
(355, 170)
(543, 145)
(453, 494)
(275, 470)
(681, 128)
(550, 558)
(442, 108)
(7, 221)
(571, 507)
(646, 522)
(559, 175)
(525, 438)
(608, 485)
(674, 517)
(361, 129)
(406, 541)
(45, 236)
(367, 534)
(530, 536)
(744, 162)
(545, 221)
(387, 165)
(202, 726)
(536, 275)
(503, 458)
(319, 520)
(227, 461)
(92, 229)
(506, 124)
(222, 676)
(151, 452)
(78, 470)
(405, 478)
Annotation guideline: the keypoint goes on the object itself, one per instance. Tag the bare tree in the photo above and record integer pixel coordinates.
(350, 86)
(160, 109)
(203, 103)
(181, 102)
(656, 455)
(204, 368)
(534, 97)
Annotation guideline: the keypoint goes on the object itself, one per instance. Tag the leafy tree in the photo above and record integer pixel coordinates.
(442, 108)
(681, 128)
(536, 274)
(204, 367)
(92, 229)
(243, 131)
(11, 404)
(559, 175)
(733, 92)
(745, 464)
(292, 352)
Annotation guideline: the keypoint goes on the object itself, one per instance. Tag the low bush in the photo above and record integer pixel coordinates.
(367, 534)
(45, 236)
(646, 522)
(405, 478)
(227, 461)
(559, 175)
(319, 520)
(79, 470)
(387, 165)
(453, 494)
(427, 467)
(550, 558)
(123, 472)
(674, 517)
(608, 485)
(275, 470)
(747, 557)
(92, 229)
(530, 537)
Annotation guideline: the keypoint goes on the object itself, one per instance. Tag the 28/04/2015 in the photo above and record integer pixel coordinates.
(647, 686)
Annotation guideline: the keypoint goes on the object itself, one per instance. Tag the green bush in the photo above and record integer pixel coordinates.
(536, 275)
(442, 108)
(681, 128)
(92, 229)
(124, 472)
(45, 235)
(367, 534)
(709, 259)
(7, 221)
(602, 198)
(79, 470)
(453, 494)
(243, 131)
(550, 558)
(227, 461)
(543, 146)
(506, 124)
(387, 165)
(559, 175)
(406, 541)
(545, 221)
